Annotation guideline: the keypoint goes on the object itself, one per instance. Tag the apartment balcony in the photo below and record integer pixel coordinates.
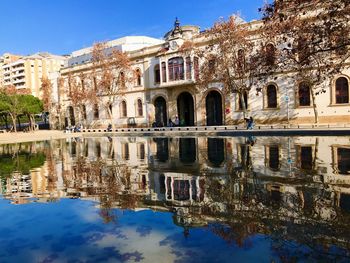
(18, 74)
(18, 80)
(18, 66)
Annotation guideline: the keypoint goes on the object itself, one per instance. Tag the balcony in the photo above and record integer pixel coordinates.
(175, 83)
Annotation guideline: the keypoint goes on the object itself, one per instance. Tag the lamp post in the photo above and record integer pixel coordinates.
(286, 98)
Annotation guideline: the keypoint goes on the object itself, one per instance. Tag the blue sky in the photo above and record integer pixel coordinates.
(62, 26)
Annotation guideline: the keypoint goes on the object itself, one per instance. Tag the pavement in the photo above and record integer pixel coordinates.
(41, 135)
(229, 131)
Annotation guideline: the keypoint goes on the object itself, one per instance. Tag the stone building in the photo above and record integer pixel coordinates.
(166, 88)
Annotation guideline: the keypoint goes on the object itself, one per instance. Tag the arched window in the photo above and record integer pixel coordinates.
(271, 96)
(139, 107)
(156, 74)
(96, 112)
(176, 68)
(196, 68)
(123, 110)
(341, 91)
(304, 94)
(164, 79)
(270, 54)
(138, 77)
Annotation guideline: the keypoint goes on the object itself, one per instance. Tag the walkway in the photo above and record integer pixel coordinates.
(260, 130)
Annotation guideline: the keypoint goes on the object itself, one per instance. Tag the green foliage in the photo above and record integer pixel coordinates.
(21, 162)
(30, 104)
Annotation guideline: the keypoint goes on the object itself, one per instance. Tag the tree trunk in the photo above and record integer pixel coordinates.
(244, 107)
(32, 121)
(30, 127)
(19, 123)
(314, 105)
(14, 124)
(110, 115)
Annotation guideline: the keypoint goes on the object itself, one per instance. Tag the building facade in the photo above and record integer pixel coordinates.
(26, 72)
(167, 88)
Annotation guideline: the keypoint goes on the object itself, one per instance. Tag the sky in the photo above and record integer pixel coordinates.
(63, 26)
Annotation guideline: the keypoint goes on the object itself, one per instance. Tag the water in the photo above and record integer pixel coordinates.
(140, 199)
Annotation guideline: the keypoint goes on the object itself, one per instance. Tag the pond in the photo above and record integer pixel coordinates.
(203, 199)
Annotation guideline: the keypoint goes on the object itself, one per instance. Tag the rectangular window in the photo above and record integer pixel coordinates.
(164, 72)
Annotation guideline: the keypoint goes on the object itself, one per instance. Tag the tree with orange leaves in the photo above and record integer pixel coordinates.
(228, 59)
(111, 73)
(313, 38)
(46, 87)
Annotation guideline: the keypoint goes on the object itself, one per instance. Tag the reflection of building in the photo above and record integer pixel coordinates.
(256, 184)
(236, 187)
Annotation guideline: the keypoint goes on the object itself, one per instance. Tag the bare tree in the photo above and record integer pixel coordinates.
(228, 58)
(313, 38)
(111, 73)
(46, 87)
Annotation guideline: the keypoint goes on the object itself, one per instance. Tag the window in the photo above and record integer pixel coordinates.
(196, 68)
(305, 157)
(271, 95)
(123, 109)
(188, 68)
(138, 77)
(125, 151)
(341, 91)
(304, 94)
(245, 97)
(270, 54)
(96, 112)
(156, 74)
(122, 80)
(343, 160)
(164, 79)
(139, 107)
(141, 151)
(273, 157)
(176, 68)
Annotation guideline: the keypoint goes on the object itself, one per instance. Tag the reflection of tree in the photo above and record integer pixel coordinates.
(298, 228)
(20, 158)
(109, 181)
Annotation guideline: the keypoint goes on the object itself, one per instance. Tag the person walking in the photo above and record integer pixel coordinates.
(177, 122)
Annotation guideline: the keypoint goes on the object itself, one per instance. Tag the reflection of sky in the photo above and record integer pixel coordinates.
(72, 231)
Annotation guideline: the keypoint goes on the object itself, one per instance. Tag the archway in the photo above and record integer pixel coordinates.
(160, 112)
(214, 108)
(185, 109)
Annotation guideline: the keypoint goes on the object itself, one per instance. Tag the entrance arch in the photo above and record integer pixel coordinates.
(213, 104)
(185, 109)
(160, 112)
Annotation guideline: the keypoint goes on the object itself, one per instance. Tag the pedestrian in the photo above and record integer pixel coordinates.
(177, 122)
(250, 123)
(170, 123)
